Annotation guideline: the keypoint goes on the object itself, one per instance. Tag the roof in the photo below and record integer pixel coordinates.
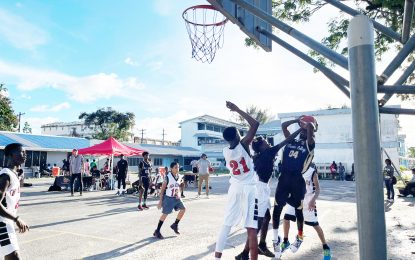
(63, 124)
(66, 144)
(43, 142)
(167, 150)
(214, 120)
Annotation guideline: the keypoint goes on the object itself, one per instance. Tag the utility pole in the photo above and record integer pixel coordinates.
(20, 116)
(164, 134)
(142, 134)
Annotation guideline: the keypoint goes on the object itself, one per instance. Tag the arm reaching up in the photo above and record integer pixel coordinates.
(286, 124)
(253, 124)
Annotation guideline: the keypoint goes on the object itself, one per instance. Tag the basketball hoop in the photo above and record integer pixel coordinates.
(205, 26)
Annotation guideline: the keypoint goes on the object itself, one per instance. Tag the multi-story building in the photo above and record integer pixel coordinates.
(73, 129)
(334, 138)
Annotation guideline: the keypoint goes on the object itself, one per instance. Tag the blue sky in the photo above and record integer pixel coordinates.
(61, 58)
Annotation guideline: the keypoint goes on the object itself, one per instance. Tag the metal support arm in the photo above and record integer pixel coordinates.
(339, 81)
(313, 44)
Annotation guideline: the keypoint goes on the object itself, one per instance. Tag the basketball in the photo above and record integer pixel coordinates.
(307, 119)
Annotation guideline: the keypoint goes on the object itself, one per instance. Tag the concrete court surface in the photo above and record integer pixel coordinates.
(100, 225)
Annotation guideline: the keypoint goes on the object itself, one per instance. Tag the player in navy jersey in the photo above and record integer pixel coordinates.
(264, 158)
(144, 175)
(296, 158)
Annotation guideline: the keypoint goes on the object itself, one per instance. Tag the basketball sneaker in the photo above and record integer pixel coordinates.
(296, 245)
(145, 206)
(263, 250)
(242, 256)
(284, 246)
(277, 247)
(158, 234)
(139, 208)
(175, 228)
(327, 254)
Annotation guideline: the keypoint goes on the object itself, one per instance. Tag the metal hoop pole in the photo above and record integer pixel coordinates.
(366, 140)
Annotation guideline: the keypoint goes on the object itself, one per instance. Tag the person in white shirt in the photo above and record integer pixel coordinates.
(9, 196)
(203, 166)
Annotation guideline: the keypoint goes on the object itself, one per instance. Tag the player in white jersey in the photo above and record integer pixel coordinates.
(309, 210)
(242, 197)
(170, 199)
(9, 196)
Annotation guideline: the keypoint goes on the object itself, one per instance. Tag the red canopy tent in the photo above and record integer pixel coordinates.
(113, 148)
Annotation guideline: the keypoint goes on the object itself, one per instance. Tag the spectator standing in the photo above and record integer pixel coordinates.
(144, 174)
(203, 166)
(342, 171)
(93, 164)
(409, 185)
(87, 169)
(76, 164)
(388, 171)
(122, 171)
(333, 170)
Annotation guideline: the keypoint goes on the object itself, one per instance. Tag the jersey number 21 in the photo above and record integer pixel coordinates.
(235, 166)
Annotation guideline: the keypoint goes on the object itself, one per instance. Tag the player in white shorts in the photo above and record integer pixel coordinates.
(242, 201)
(9, 196)
(309, 210)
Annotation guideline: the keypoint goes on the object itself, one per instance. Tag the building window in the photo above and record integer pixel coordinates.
(200, 126)
(158, 162)
(216, 129)
(209, 127)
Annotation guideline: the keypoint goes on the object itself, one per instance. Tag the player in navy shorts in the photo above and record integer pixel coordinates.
(296, 158)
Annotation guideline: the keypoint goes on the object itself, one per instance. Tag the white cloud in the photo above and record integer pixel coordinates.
(47, 108)
(131, 62)
(20, 33)
(82, 89)
(155, 65)
(36, 122)
(24, 96)
(163, 7)
(4, 93)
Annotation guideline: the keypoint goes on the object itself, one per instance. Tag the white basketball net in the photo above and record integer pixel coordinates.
(205, 26)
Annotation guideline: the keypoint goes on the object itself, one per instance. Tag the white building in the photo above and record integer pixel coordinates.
(202, 130)
(74, 129)
(334, 138)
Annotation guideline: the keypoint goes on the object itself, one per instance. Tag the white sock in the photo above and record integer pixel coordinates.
(275, 231)
(223, 236)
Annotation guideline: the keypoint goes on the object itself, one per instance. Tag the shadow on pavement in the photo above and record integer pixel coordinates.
(126, 249)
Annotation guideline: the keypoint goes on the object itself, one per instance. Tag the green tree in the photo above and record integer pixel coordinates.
(261, 115)
(8, 120)
(26, 128)
(108, 122)
(387, 12)
(411, 152)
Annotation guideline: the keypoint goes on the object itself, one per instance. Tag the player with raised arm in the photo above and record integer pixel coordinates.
(242, 201)
(296, 158)
(263, 159)
(9, 196)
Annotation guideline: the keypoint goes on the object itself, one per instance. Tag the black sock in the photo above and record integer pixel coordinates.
(262, 244)
(325, 246)
(177, 221)
(245, 252)
(159, 225)
(285, 239)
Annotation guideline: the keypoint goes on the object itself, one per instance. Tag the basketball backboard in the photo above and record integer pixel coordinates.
(246, 21)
